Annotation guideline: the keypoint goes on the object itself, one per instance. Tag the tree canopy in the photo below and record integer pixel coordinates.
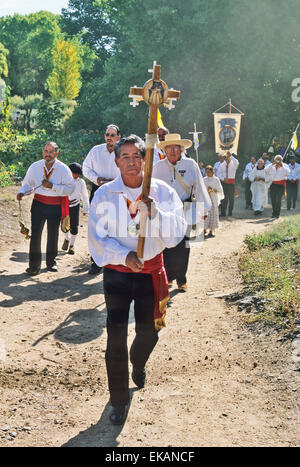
(211, 51)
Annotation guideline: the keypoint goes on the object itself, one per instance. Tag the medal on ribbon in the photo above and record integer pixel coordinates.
(133, 226)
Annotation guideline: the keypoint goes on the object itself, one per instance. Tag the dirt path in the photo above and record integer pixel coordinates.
(211, 380)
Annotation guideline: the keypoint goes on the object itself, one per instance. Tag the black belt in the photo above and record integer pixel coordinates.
(73, 201)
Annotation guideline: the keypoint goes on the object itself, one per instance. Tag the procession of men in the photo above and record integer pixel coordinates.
(149, 201)
(180, 201)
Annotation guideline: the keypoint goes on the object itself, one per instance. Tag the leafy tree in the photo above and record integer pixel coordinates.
(2, 90)
(211, 51)
(27, 106)
(30, 40)
(64, 81)
(3, 61)
(50, 116)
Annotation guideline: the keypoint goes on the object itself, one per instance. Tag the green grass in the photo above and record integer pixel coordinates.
(274, 274)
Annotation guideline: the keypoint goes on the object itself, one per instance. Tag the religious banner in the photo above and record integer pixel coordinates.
(227, 130)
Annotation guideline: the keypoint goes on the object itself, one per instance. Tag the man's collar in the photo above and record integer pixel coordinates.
(117, 185)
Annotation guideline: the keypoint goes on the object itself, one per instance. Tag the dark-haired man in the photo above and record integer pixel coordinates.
(114, 226)
(99, 167)
(51, 182)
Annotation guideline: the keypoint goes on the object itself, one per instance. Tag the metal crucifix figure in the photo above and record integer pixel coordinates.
(155, 93)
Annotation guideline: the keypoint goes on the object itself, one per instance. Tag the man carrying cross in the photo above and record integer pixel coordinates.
(114, 227)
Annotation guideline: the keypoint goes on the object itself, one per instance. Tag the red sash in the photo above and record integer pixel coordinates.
(156, 268)
(230, 181)
(279, 182)
(63, 201)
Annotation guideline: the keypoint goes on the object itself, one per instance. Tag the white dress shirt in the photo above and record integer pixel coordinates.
(249, 167)
(189, 171)
(79, 192)
(294, 172)
(232, 168)
(216, 168)
(100, 163)
(61, 178)
(278, 174)
(108, 230)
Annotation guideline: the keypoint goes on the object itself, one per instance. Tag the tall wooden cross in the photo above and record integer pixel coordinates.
(155, 93)
(195, 134)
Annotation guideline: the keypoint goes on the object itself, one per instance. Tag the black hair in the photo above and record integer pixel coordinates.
(75, 168)
(134, 139)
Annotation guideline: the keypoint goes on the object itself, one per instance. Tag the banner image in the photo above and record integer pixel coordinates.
(227, 131)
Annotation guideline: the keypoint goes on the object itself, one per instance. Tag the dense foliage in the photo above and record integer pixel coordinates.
(210, 50)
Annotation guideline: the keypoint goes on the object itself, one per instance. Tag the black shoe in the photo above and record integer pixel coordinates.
(71, 250)
(33, 271)
(94, 269)
(65, 245)
(139, 377)
(118, 414)
(52, 268)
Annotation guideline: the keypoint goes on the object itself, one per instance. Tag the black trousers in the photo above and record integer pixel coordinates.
(291, 194)
(74, 219)
(276, 192)
(176, 262)
(228, 200)
(93, 189)
(248, 194)
(40, 213)
(120, 288)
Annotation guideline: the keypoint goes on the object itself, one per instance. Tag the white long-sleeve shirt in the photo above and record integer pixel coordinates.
(249, 167)
(79, 192)
(191, 176)
(232, 168)
(216, 168)
(278, 174)
(294, 172)
(61, 178)
(100, 163)
(108, 234)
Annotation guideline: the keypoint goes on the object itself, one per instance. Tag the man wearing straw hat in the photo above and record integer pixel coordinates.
(182, 174)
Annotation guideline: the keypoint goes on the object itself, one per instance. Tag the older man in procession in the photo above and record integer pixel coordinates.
(51, 182)
(226, 174)
(99, 167)
(114, 226)
(277, 172)
(292, 182)
(248, 193)
(182, 174)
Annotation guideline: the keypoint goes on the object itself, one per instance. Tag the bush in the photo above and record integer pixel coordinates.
(273, 274)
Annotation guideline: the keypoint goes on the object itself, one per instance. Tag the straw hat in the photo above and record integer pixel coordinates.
(174, 138)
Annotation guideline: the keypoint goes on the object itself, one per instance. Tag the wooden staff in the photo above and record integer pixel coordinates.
(155, 93)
